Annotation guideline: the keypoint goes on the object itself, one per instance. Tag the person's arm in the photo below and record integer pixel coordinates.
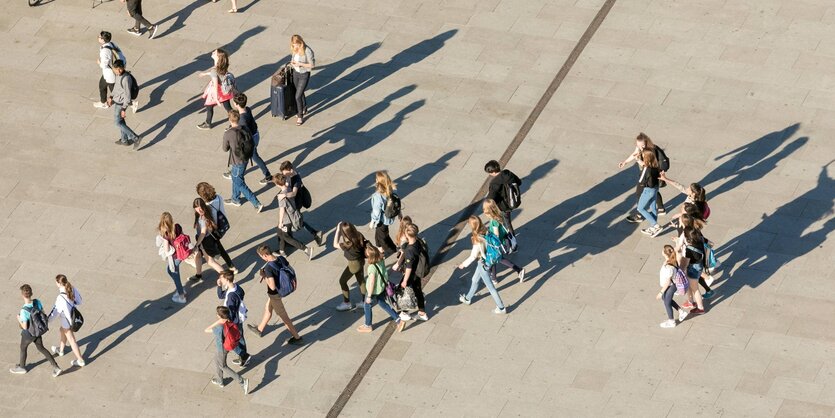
(369, 286)
(201, 234)
(20, 320)
(406, 275)
(292, 193)
(281, 212)
(210, 328)
(226, 139)
(337, 235)
(271, 283)
(376, 209)
(632, 157)
(677, 185)
(103, 61)
(220, 294)
(474, 253)
(77, 295)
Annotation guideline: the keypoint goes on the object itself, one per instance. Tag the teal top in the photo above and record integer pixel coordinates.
(496, 224)
(25, 315)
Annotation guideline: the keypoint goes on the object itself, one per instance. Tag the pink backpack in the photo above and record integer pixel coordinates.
(181, 244)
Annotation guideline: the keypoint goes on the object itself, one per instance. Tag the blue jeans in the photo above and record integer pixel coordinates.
(175, 276)
(126, 134)
(240, 350)
(239, 187)
(257, 158)
(669, 303)
(648, 199)
(220, 356)
(481, 273)
(694, 271)
(381, 300)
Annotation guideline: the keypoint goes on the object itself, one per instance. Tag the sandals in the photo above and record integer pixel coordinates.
(232, 11)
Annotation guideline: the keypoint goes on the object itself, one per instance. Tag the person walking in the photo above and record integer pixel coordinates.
(31, 306)
(352, 243)
(207, 242)
(67, 299)
(411, 276)
(233, 140)
(501, 182)
(478, 237)
(689, 249)
(497, 228)
(120, 100)
(223, 329)
(109, 52)
(220, 89)
(248, 122)
(232, 296)
(135, 11)
(297, 190)
(668, 287)
(168, 232)
(402, 241)
(270, 275)
(303, 61)
(642, 143)
(649, 183)
(384, 190)
(289, 220)
(376, 280)
(214, 200)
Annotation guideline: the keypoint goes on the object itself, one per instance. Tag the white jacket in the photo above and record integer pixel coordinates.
(63, 307)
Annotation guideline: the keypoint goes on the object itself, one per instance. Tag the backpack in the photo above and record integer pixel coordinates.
(227, 85)
(392, 208)
(38, 321)
(706, 212)
(492, 249)
(282, 75)
(231, 335)
(286, 283)
(663, 160)
(115, 54)
(221, 223)
(511, 193)
(303, 198)
(242, 310)
(181, 244)
(423, 266)
(76, 319)
(134, 86)
(509, 243)
(710, 262)
(245, 145)
(681, 281)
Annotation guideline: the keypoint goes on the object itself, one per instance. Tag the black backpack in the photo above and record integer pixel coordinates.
(512, 193)
(76, 319)
(303, 198)
(38, 321)
(663, 160)
(134, 86)
(245, 146)
(392, 209)
(423, 266)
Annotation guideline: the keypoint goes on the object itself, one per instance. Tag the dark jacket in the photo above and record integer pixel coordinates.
(230, 142)
(234, 301)
(496, 189)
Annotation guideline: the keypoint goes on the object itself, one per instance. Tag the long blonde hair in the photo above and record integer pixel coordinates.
(384, 185)
(401, 230)
(62, 280)
(478, 230)
(670, 255)
(648, 157)
(166, 226)
(491, 209)
(297, 40)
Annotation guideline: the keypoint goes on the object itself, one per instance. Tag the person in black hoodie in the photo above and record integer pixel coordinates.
(232, 296)
(497, 190)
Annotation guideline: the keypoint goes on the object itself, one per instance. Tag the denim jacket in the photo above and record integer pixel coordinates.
(378, 206)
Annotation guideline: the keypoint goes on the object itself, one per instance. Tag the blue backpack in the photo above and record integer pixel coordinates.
(286, 283)
(492, 250)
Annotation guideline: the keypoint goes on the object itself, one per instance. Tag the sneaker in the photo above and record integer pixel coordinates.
(495, 282)
(241, 361)
(648, 231)
(635, 219)
(345, 306)
(227, 175)
(309, 251)
(254, 329)
(522, 276)
(688, 305)
(500, 310)
(136, 142)
(134, 31)
(79, 363)
(697, 311)
(662, 211)
(232, 202)
(320, 238)
(405, 317)
(55, 352)
(656, 230)
(245, 385)
(463, 299)
(217, 382)
(668, 324)
(400, 325)
(682, 314)
(423, 316)
(134, 106)
(204, 126)
(178, 298)
(364, 329)
(259, 208)
(17, 370)
(295, 341)
(195, 278)
(120, 142)
(709, 294)
(265, 180)
(153, 31)
(98, 105)
(56, 372)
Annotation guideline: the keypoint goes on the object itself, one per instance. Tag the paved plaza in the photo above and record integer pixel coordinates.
(740, 93)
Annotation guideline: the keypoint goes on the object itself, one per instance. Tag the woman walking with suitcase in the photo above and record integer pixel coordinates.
(302, 62)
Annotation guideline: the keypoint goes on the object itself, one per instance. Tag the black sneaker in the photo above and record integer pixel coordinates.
(295, 341)
(196, 277)
(153, 31)
(204, 126)
(265, 181)
(635, 219)
(134, 31)
(320, 238)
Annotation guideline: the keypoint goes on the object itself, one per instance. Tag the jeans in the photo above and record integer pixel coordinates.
(381, 300)
(239, 187)
(694, 271)
(495, 267)
(220, 356)
(300, 80)
(354, 268)
(416, 284)
(287, 237)
(104, 86)
(507, 222)
(175, 276)
(25, 339)
(669, 303)
(659, 201)
(126, 134)
(135, 9)
(648, 199)
(240, 350)
(481, 273)
(210, 111)
(383, 239)
(257, 158)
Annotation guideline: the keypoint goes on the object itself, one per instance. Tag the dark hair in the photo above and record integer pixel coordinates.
(353, 238)
(228, 275)
(698, 192)
(240, 99)
(105, 36)
(206, 191)
(265, 250)
(207, 213)
(287, 165)
(492, 166)
(26, 291)
(223, 312)
(222, 66)
(234, 116)
(119, 64)
(693, 211)
(62, 280)
(693, 237)
(280, 180)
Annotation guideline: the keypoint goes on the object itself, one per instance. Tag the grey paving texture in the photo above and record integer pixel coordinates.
(738, 92)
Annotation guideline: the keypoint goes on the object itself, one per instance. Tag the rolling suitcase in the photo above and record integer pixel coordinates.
(283, 94)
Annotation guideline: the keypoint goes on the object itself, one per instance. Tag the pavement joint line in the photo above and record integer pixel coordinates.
(452, 237)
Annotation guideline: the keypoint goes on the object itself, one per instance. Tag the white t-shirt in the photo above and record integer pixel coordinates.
(665, 276)
(215, 205)
(106, 57)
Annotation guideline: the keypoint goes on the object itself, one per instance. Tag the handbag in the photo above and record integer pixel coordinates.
(406, 299)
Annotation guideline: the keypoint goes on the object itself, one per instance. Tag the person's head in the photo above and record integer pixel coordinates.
(206, 191)
(227, 277)
(286, 168)
(166, 226)
(265, 252)
(383, 183)
(240, 101)
(693, 237)
(643, 142)
(201, 210)
(491, 210)
(691, 210)
(372, 254)
(401, 230)
(697, 192)
(234, 117)
(65, 285)
(669, 254)
(492, 168)
(26, 292)
(648, 157)
(280, 180)
(477, 229)
(412, 233)
(297, 45)
(104, 37)
(118, 67)
(222, 312)
(353, 238)
(221, 58)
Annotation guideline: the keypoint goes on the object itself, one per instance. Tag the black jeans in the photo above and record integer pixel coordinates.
(300, 80)
(382, 239)
(287, 237)
(416, 284)
(25, 339)
(210, 111)
(659, 201)
(104, 86)
(507, 222)
(135, 10)
(669, 303)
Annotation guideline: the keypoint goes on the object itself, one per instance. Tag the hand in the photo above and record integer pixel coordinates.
(367, 301)
(122, 113)
(109, 101)
(460, 267)
(403, 284)
(662, 175)
(371, 225)
(98, 62)
(658, 296)
(621, 164)
(396, 267)
(190, 245)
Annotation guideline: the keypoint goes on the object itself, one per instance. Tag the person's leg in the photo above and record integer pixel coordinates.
(510, 264)
(703, 283)
(647, 195)
(473, 285)
(119, 122)
(356, 269)
(417, 285)
(227, 106)
(383, 240)
(39, 345)
(73, 343)
(210, 113)
(62, 341)
(481, 271)
(238, 179)
(659, 202)
(175, 277)
(224, 255)
(310, 229)
(240, 349)
(381, 300)
(286, 237)
(695, 294)
(25, 340)
(507, 223)
(366, 307)
(667, 298)
(226, 370)
(257, 158)
(103, 89)
(265, 319)
(140, 20)
(300, 80)
(278, 307)
(343, 283)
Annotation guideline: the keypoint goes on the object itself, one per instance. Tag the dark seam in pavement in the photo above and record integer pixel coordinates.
(355, 381)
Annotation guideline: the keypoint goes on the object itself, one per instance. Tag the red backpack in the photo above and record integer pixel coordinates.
(231, 335)
(181, 244)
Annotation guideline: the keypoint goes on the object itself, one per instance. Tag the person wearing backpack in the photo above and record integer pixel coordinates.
(412, 276)
(214, 200)
(649, 182)
(385, 207)
(33, 323)
(299, 193)
(226, 334)
(108, 53)
(690, 252)
(218, 91)
(123, 94)
(642, 143)
(167, 243)
(271, 275)
(66, 301)
(232, 296)
(248, 122)
(485, 250)
(668, 287)
(376, 280)
(237, 141)
(497, 228)
(289, 219)
(352, 243)
(504, 190)
(207, 242)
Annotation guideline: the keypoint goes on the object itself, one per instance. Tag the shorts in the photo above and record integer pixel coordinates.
(694, 271)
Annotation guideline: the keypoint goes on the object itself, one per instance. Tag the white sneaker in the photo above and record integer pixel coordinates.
(55, 352)
(522, 276)
(79, 363)
(500, 310)
(423, 316)
(99, 105)
(670, 323)
(463, 299)
(178, 298)
(682, 314)
(495, 282)
(134, 106)
(405, 317)
(344, 306)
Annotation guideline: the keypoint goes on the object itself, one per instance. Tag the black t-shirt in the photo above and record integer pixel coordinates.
(410, 258)
(248, 121)
(271, 270)
(649, 177)
(354, 252)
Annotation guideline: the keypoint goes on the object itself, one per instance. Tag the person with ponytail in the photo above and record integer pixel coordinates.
(668, 287)
(206, 241)
(68, 297)
(479, 253)
(165, 242)
(384, 189)
(495, 225)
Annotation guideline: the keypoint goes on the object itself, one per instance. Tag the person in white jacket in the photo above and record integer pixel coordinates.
(67, 298)
(168, 232)
(108, 53)
(481, 270)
